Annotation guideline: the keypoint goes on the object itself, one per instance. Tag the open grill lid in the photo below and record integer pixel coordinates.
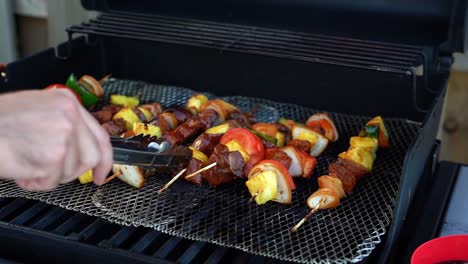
(429, 23)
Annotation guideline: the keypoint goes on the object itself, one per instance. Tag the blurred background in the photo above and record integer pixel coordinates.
(28, 26)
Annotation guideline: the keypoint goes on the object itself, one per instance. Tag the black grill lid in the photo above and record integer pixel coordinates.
(419, 22)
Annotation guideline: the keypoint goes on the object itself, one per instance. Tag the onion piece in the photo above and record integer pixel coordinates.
(92, 85)
(325, 123)
(296, 168)
(331, 199)
(170, 119)
(318, 142)
(132, 175)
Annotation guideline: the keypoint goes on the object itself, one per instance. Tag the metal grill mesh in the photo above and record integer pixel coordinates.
(223, 215)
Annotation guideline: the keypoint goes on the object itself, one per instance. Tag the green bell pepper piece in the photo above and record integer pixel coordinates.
(87, 97)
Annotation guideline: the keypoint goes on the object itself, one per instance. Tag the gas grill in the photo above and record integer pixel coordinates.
(285, 59)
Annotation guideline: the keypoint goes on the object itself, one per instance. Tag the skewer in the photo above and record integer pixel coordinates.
(187, 177)
(172, 180)
(112, 177)
(309, 214)
(201, 170)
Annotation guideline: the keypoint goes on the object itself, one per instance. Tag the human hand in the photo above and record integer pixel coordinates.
(47, 138)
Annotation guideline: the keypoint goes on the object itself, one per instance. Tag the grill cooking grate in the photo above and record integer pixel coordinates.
(223, 215)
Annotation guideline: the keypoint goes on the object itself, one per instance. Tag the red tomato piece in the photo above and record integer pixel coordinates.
(249, 142)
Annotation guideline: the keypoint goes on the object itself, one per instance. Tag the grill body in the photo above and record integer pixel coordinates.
(337, 74)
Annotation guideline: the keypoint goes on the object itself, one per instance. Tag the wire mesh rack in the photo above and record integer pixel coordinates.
(223, 215)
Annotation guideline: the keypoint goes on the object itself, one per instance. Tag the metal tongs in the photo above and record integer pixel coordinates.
(147, 153)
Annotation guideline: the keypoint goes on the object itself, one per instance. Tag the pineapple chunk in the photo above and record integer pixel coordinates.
(195, 103)
(86, 177)
(279, 139)
(303, 133)
(146, 129)
(364, 142)
(220, 129)
(199, 155)
(146, 113)
(128, 116)
(124, 101)
(264, 186)
(233, 145)
(361, 156)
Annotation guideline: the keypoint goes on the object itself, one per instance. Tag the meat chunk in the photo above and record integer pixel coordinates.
(278, 155)
(154, 108)
(106, 113)
(115, 127)
(207, 117)
(299, 144)
(206, 143)
(223, 172)
(103, 116)
(348, 172)
(193, 166)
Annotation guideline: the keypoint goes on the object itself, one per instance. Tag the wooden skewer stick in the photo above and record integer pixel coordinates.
(201, 170)
(105, 78)
(311, 212)
(110, 178)
(172, 181)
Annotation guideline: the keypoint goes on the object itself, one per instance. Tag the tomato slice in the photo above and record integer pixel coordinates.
(249, 142)
(62, 86)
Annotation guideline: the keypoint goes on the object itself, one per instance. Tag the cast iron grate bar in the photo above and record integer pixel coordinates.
(167, 248)
(9, 209)
(143, 243)
(192, 252)
(119, 238)
(49, 218)
(71, 224)
(29, 213)
(217, 255)
(89, 231)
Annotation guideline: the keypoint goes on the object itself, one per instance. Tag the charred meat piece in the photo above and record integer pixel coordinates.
(279, 156)
(236, 163)
(191, 127)
(181, 115)
(139, 114)
(207, 117)
(222, 173)
(243, 119)
(115, 127)
(154, 108)
(286, 131)
(348, 172)
(194, 165)
(299, 144)
(103, 116)
(206, 142)
(106, 113)
(266, 143)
